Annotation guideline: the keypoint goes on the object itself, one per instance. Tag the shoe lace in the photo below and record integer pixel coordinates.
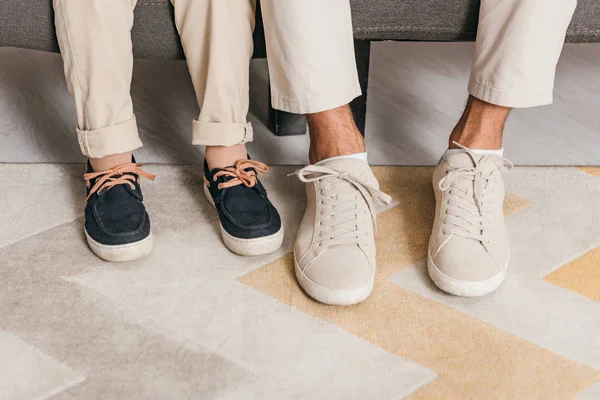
(342, 217)
(240, 175)
(119, 175)
(466, 212)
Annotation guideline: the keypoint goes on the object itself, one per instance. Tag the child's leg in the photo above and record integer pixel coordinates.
(217, 39)
(95, 41)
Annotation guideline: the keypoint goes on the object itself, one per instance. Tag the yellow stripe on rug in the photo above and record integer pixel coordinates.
(581, 275)
(473, 359)
(591, 170)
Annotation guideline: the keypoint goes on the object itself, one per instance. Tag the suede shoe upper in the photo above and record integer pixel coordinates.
(335, 245)
(469, 241)
(115, 213)
(241, 200)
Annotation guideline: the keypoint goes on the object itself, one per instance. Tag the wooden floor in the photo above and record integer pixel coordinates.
(417, 91)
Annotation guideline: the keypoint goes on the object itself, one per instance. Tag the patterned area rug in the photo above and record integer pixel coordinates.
(194, 321)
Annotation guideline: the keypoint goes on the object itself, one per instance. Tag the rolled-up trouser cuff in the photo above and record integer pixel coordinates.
(315, 102)
(221, 134)
(489, 93)
(115, 139)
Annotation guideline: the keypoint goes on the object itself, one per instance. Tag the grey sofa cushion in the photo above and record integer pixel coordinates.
(29, 24)
(448, 20)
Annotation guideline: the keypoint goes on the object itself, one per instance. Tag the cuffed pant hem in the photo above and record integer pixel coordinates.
(115, 139)
(515, 99)
(221, 134)
(314, 103)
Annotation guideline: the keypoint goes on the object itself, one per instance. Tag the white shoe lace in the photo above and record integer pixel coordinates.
(466, 212)
(342, 219)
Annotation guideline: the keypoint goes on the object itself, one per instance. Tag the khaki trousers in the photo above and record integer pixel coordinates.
(518, 46)
(311, 64)
(310, 56)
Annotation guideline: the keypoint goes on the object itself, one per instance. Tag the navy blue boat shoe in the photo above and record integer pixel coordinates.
(117, 226)
(250, 224)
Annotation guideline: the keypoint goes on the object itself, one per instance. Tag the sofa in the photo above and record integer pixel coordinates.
(29, 24)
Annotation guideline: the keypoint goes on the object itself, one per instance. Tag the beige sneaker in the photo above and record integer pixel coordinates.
(468, 249)
(334, 254)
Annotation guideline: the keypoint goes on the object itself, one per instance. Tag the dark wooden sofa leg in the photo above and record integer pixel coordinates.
(362, 48)
(283, 123)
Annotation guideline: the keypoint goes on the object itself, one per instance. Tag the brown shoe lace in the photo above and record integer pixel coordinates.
(107, 179)
(240, 175)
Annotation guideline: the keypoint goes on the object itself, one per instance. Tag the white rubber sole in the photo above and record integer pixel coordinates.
(248, 247)
(465, 288)
(333, 297)
(122, 252)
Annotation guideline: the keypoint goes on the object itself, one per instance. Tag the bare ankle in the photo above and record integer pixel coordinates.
(333, 133)
(112, 161)
(225, 156)
(481, 126)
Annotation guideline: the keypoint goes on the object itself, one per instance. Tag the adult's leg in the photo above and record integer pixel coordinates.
(310, 51)
(517, 49)
(95, 42)
(518, 46)
(217, 39)
(333, 133)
